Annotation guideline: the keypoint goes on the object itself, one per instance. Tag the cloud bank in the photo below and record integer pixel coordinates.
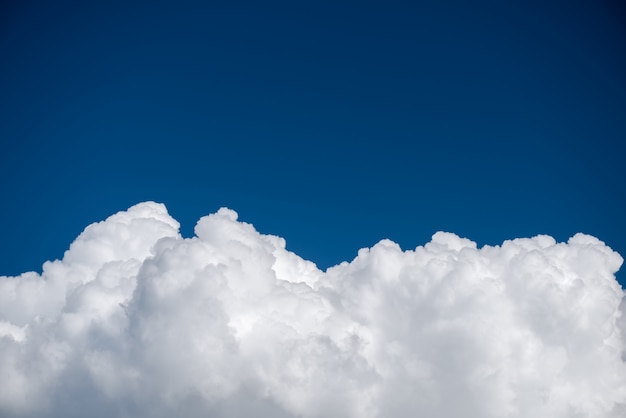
(137, 321)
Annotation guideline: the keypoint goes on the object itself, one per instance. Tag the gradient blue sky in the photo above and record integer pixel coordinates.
(332, 124)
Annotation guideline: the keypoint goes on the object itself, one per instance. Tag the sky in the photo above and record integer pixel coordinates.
(332, 125)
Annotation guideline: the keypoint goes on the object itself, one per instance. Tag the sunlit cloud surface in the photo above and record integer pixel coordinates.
(137, 321)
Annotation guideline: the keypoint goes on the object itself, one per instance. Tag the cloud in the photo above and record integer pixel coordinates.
(137, 321)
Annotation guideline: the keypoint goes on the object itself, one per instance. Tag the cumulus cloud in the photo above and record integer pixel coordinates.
(137, 321)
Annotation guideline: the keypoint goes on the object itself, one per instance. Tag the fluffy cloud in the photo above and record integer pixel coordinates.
(137, 321)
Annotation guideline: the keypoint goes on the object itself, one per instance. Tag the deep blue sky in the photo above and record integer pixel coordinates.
(332, 124)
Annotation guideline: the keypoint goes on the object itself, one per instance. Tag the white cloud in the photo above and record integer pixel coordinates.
(137, 321)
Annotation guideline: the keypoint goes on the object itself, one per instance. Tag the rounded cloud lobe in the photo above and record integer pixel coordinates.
(138, 321)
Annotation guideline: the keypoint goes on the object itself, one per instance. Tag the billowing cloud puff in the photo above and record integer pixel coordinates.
(137, 321)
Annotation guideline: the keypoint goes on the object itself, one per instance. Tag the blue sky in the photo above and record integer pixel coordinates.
(332, 124)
